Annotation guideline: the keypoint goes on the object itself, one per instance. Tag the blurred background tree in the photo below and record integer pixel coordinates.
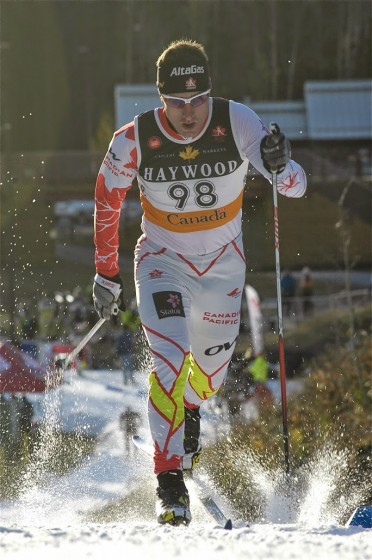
(35, 87)
(60, 60)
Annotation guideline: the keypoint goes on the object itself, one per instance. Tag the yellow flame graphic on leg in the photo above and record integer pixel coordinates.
(170, 404)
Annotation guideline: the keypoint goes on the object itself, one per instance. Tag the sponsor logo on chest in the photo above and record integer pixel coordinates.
(192, 171)
(209, 216)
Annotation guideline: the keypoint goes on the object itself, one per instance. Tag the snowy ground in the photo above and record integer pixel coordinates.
(106, 506)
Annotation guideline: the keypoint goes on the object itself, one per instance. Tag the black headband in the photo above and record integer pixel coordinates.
(183, 76)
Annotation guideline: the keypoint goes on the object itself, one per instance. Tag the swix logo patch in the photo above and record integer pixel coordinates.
(168, 304)
(154, 142)
(156, 273)
(235, 293)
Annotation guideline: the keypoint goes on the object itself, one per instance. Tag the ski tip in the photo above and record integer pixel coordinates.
(228, 525)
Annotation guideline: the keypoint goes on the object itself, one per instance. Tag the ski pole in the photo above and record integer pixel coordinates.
(274, 129)
(62, 364)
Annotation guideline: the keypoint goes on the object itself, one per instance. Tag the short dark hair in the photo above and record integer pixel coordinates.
(183, 66)
(182, 48)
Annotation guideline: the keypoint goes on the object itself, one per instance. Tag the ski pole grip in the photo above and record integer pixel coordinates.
(274, 128)
(275, 131)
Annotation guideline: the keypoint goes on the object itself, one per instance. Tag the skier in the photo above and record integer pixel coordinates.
(288, 286)
(129, 423)
(190, 158)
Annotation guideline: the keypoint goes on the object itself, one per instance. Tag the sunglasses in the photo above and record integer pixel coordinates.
(180, 102)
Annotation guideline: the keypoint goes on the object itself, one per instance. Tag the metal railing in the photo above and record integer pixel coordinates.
(297, 309)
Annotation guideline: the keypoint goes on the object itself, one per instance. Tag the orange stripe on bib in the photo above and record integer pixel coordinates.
(184, 222)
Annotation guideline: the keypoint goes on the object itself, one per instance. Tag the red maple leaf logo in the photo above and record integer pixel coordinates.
(156, 273)
(291, 182)
(235, 293)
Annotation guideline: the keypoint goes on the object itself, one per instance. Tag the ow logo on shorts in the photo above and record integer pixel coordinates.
(168, 304)
(219, 348)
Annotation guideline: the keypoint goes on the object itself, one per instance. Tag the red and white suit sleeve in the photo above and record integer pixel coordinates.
(115, 178)
(249, 131)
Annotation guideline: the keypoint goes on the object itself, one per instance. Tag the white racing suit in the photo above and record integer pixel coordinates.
(189, 262)
(190, 311)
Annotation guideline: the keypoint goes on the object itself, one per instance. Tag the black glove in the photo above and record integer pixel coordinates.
(275, 150)
(108, 295)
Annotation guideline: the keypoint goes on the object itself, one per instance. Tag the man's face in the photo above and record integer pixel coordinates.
(187, 118)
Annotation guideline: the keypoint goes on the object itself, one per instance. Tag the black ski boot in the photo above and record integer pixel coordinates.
(191, 441)
(173, 504)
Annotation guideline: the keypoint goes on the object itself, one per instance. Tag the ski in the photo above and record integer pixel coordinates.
(202, 491)
(209, 503)
(142, 445)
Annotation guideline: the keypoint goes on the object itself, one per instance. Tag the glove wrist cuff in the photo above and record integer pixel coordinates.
(113, 287)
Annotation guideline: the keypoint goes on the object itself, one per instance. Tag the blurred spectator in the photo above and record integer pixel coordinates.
(26, 414)
(125, 343)
(10, 429)
(307, 290)
(129, 423)
(259, 371)
(130, 316)
(125, 352)
(288, 287)
(29, 324)
(49, 323)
